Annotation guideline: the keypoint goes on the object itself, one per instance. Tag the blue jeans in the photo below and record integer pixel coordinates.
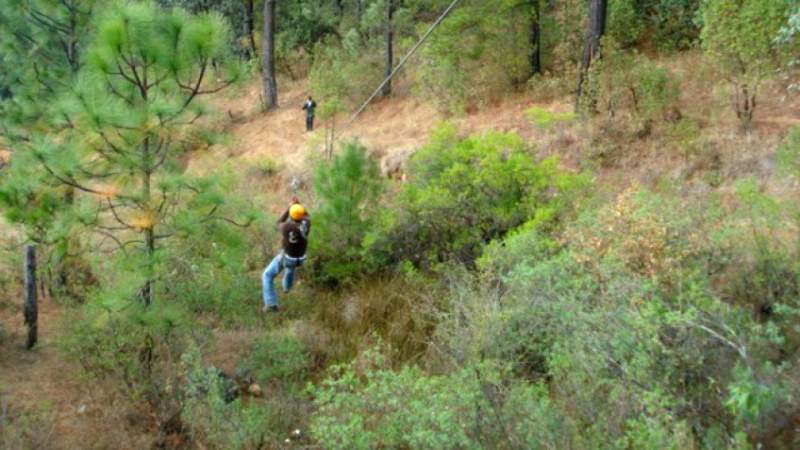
(279, 263)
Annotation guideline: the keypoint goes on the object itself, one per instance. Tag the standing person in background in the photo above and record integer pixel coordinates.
(309, 106)
(294, 226)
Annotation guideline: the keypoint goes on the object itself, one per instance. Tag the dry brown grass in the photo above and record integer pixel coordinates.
(404, 122)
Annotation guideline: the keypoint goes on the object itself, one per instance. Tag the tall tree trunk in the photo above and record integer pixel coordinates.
(597, 27)
(389, 43)
(148, 229)
(30, 308)
(249, 27)
(535, 38)
(268, 72)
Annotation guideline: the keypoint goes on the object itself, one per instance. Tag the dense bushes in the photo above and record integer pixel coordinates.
(629, 315)
(631, 319)
(623, 83)
(370, 406)
(465, 192)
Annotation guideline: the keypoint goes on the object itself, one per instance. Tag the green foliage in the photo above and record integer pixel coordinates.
(137, 348)
(217, 422)
(301, 24)
(203, 267)
(546, 119)
(624, 82)
(27, 428)
(267, 167)
(625, 22)
(233, 11)
(465, 192)
(490, 55)
(740, 37)
(344, 74)
(276, 358)
(126, 119)
(619, 313)
(750, 398)
(367, 405)
(675, 23)
(347, 190)
(789, 152)
(686, 136)
(415, 411)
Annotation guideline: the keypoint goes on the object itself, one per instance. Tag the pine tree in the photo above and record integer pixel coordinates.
(127, 118)
(42, 43)
(348, 190)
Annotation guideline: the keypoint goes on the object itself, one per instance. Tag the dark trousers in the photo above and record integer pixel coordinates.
(309, 123)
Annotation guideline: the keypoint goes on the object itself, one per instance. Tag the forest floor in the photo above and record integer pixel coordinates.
(43, 392)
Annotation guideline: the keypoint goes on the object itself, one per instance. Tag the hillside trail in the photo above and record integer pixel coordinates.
(47, 389)
(396, 125)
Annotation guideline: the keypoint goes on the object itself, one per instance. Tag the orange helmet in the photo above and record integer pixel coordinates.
(297, 212)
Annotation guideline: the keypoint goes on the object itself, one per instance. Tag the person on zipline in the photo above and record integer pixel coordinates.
(309, 106)
(294, 226)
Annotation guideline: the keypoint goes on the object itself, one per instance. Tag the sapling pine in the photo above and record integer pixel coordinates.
(128, 116)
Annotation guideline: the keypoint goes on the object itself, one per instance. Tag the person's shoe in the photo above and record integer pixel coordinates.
(270, 309)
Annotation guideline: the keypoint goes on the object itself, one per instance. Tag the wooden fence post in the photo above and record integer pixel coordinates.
(30, 308)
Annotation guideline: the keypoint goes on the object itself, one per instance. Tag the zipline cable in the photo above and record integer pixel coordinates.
(400, 65)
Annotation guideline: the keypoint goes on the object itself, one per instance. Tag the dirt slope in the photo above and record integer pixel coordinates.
(70, 412)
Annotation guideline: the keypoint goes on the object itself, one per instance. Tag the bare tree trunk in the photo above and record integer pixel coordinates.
(249, 24)
(30, 309)
(268, 72)
(330, 137)
(389, 42)
(148, 230)
(591, 50)
(535, 38)
(745, 103)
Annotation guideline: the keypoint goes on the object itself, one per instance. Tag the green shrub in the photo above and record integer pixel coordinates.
(466, 192)
(208, 268)
(267, 167)
(135, 347)
(27, 428)
(789, 153)
(219, 422)
(627, 315)
(366, 405)
(279, 359)
(675, 24)
(347, 191)
(624, 82)
(625, 22)
(546, 119)
(396, 409)
(685, 135)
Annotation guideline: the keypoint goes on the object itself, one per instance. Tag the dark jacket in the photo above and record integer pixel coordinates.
(309, 108)
(294, 234)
